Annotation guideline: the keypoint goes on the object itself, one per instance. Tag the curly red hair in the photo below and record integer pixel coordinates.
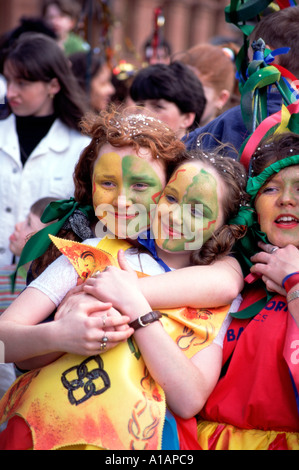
(130, 127)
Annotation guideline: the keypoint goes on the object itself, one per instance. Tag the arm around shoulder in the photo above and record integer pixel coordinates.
(195, 286)
(21, 329)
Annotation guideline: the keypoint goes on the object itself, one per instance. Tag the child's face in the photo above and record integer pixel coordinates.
(22, 231)
(126, 187)
(189, 210)
(277, 207)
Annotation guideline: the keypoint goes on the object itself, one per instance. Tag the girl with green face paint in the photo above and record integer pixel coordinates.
(128, 156)
(141, 138)
(84, 331)
(256, 400)
(126, 186)
(196, 203)
(188, 211)
(141, 145)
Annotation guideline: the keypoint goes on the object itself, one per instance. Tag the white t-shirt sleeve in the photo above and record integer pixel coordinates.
(227, 321)
(56, 280)
(61, 276)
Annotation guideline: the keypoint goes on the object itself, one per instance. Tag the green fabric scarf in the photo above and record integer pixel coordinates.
(58, 211)
(255, 183)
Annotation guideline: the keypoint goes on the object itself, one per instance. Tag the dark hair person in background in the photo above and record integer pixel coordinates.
(173, 93)
(62, 17)
(27, 24)
(40, 141)
(162, 54)
(94, 77)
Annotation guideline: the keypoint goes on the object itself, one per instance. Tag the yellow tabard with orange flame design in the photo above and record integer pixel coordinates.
(107, 401)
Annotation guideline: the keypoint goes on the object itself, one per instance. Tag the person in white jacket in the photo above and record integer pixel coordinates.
(40, 141)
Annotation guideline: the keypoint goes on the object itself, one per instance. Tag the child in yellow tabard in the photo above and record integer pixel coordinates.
(121, 397)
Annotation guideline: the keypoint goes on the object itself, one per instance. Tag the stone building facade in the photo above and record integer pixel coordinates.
(187, 22)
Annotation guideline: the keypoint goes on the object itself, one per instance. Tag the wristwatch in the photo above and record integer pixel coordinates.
(145, 320)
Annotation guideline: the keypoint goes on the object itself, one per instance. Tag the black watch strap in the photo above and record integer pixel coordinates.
(145, 320)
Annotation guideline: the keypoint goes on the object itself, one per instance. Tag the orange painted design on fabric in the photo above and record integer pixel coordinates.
(78, 255)
(144, 432)
(15, 394)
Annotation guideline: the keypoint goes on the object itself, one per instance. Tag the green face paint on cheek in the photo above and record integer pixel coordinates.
(143, 185)
(206, 186)
(141, 182)
(199, 209)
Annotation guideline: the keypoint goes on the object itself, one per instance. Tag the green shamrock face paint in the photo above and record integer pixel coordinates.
(126, 186)
(188, 211)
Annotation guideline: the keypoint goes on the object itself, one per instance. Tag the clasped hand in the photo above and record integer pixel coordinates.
(94, 310)
(118, 286)
(273, 266)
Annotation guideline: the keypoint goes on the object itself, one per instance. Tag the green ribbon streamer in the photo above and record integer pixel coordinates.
(237, 13)
(252, 310)
(240, 11)
(245, 248)
(248, 245)
(259, 79)
(40, 241)
(293, 124)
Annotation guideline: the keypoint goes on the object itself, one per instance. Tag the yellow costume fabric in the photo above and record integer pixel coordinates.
(215, 436)
(108, 401)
